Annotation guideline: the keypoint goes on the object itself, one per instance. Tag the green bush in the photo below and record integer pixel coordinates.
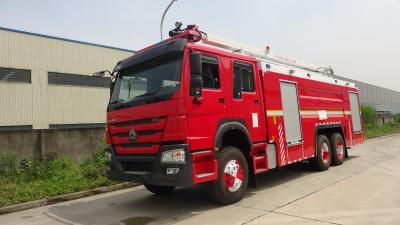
(397, 118)
(368, 114)
(32, 180)
(8, 165)
(94, 168)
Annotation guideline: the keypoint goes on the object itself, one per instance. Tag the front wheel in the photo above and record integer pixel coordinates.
(233, 177)
(158, 189)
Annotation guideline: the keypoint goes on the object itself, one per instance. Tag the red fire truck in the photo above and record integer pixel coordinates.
(200, 110)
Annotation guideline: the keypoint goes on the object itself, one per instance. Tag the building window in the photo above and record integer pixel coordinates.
(15, 128)
(243, 79)
(210, 72)
(77, 126)
(15, 75)
(78, 80)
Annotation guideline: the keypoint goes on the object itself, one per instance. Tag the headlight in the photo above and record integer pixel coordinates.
(173, 156)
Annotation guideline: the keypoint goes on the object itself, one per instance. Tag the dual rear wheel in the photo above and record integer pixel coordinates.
(329, 151)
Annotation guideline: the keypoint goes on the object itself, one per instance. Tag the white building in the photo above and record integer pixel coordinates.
(45, 81)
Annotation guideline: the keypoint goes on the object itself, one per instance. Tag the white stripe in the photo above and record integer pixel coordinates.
(274, 113)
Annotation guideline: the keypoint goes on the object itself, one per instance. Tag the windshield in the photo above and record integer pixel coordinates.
(156, 78)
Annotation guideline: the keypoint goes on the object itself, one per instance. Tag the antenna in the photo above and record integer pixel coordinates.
(162, 18)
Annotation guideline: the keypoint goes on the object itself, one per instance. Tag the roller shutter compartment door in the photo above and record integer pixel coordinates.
(355, 112)
(291, 113)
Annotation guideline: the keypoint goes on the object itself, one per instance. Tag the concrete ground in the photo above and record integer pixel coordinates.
(364, 190)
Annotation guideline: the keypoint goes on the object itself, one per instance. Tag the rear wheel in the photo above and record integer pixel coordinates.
(233, 177)
(158, 189)
(338, 149)
(322, 160)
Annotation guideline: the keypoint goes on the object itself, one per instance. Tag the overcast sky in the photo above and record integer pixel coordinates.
(360, 39)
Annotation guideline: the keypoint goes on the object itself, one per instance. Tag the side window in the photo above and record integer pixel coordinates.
(243, 79)
(210, 72)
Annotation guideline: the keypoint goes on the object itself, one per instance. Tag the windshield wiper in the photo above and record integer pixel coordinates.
(146, 94)
(119, 101)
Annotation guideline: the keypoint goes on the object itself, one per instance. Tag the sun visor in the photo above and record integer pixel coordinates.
(152, 52)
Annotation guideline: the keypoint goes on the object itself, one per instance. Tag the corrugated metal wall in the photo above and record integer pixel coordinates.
(382, 98)
(39, 104)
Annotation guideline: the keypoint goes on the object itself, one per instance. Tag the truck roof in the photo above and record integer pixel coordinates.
(278, 63)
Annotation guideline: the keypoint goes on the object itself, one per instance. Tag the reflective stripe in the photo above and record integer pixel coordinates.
(274, 113)
(309, 112)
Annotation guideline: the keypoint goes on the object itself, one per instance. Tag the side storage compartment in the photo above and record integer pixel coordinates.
(205, 167)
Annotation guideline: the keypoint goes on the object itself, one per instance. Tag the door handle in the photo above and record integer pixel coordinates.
(221, 100)
(256, 101)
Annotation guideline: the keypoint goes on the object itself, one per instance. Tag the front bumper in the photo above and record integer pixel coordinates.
(149, 169)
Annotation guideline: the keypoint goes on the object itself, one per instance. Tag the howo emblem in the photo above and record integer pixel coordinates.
(132, 135)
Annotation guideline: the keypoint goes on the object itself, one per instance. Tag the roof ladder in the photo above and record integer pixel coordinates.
(264, 56)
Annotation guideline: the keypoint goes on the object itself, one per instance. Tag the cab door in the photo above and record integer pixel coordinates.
(246, 97)
(205, 112)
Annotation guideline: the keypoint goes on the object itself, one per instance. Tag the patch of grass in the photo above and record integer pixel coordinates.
(372, 131)
(33, 180)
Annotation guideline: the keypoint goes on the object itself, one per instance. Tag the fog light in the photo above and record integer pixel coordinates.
(108, 156)
(172, 171)
(173, 156)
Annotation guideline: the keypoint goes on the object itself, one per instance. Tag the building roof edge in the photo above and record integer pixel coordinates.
(64, 39)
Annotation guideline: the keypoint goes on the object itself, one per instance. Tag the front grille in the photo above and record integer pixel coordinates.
(137, 122)
(141, 133)
(149, 134)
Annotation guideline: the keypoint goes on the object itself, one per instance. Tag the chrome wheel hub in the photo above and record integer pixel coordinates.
(233, 175)
(325, 152)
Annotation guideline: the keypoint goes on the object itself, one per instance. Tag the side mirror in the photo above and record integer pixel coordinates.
(196, 79)
(100, 73)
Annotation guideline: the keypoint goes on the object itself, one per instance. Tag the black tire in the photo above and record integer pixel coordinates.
(233, 160)
(158, 189)
(322, 160)
(338, 149)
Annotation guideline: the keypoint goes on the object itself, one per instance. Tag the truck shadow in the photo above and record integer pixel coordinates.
(138, 207)
(289, 173)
